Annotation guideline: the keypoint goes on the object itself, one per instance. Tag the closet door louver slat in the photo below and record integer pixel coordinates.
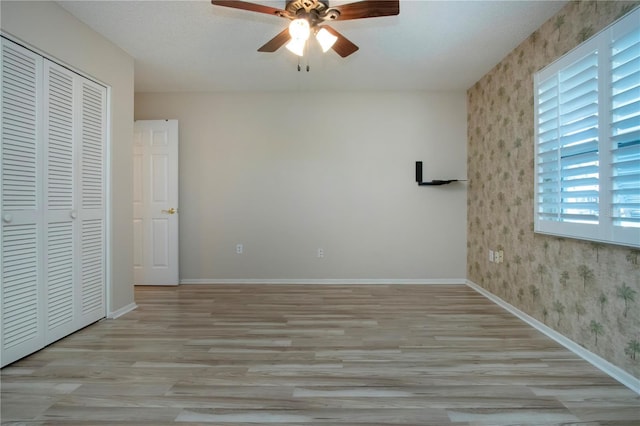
(59, 278)
(20, 322)
(19, 129)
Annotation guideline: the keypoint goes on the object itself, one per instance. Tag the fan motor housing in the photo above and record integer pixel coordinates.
(293, 6)
(314, 10)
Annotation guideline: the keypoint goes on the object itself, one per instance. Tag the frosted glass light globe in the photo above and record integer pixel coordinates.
(299, 29)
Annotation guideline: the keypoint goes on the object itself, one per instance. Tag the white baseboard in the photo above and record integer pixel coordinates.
(600, 363)
(120, 312)
(350, 281)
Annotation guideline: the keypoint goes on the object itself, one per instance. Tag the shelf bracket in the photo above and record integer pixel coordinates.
(434, 182)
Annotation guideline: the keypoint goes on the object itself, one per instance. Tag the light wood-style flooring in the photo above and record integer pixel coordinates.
(311, 355)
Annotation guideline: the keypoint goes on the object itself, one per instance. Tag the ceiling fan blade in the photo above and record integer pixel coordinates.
(276, 42)
(252, 7)
(343, 46)
(367, 9)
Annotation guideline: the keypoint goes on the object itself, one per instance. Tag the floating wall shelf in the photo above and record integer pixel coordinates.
(434, 182)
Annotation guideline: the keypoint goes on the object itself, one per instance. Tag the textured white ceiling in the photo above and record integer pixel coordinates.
(193, 46)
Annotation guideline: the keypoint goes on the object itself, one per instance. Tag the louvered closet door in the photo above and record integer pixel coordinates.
(91, 205)
(60, 214)
(53, 202)
(21, 237)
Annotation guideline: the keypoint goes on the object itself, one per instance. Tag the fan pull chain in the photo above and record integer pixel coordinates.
(305, 53)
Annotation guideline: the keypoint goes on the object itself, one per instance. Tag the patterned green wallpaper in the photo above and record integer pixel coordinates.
(588, 292)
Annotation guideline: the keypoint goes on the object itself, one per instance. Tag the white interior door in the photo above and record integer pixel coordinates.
(155, 202)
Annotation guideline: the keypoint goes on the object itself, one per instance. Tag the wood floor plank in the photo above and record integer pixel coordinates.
(311, 355)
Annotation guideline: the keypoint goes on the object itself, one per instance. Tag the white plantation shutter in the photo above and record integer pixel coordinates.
(53, 209)
(587, 120)
(625, 129)
(548, 147)
(568, 143)
(21, 188)
(60, 235)
(92, 195)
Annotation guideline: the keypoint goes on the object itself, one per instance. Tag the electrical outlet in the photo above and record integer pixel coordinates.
(239, 248)
(500, 256)
(320, 253)
(491, 256)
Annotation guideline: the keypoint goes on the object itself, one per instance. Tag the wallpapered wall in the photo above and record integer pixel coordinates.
(589, 292)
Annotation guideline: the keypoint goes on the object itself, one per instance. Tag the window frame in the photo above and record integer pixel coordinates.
(605, 230)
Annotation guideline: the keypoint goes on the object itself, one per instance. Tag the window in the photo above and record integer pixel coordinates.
(587, 145)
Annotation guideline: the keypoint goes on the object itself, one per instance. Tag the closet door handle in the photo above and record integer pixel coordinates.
(7, 218)
(73, 214)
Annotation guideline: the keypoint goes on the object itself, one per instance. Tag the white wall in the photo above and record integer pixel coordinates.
(49, 28)
(287, 173)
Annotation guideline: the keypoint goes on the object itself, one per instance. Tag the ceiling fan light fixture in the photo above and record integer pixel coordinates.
(299, 29)
(296, 46)
(308, 15)
(326, 39)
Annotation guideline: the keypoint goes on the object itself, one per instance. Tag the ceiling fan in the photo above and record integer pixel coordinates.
(309, 17)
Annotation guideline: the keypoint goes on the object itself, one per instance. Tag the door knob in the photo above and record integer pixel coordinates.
(170, 211)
